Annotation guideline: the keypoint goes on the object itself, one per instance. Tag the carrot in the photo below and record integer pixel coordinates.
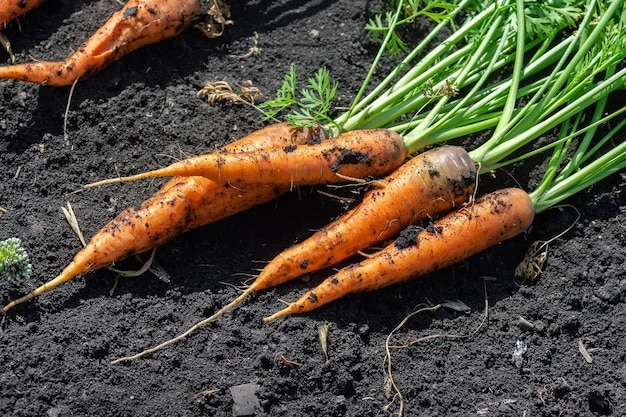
(355, 154)
(429, 183)
(181, 205)
(11, 9)
(489, 220)
(139, 23)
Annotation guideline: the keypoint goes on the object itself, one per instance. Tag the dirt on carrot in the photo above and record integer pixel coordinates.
(182, 204)
(356, 154)
(138, 23)
(489, 220)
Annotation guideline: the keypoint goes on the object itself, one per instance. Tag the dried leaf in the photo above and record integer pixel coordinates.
(322, 331)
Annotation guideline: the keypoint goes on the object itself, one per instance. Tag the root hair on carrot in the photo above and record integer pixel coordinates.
(136, 272)
(344, 200)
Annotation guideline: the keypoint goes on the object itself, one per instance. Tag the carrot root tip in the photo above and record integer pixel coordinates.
(278, 314)
(18, 301)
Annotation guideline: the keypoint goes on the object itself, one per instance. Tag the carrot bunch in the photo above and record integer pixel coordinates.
(426, 203)
(580, 71)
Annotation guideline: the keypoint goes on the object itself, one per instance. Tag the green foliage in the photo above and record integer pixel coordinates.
(545, 18)
(379, 25)
(310, 105)
(14, 259)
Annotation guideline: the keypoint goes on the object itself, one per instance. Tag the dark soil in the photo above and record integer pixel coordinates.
(142, 112)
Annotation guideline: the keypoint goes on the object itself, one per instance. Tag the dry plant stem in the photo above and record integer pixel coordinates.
(67, 111)
(388, 355)
(425, 338)
(7, 46)
(218, 91)
(322, 331)
(531, 266)
(216, 20)
(73, 222)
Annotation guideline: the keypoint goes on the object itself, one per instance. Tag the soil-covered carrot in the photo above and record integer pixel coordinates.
(491, 219)
(179, 206)
(139, 23)
(431, 183)
(356, 154)
(11, 9)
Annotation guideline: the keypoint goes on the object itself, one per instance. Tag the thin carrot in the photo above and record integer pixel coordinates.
(491, 219)
(138, 23)
(11, 9)
(181, 205)
(355, 154)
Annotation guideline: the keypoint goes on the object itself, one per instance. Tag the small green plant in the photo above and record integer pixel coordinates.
(14, 260)
(308, 106)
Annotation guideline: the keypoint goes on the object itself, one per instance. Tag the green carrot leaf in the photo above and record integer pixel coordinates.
(311, 104)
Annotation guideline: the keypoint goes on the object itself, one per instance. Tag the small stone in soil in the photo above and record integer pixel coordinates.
(244, 399)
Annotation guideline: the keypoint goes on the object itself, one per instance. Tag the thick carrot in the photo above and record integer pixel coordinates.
(11, 9)
(430, 183)
(181, 205)
(356, 154)
(489, 220)
(138, 23)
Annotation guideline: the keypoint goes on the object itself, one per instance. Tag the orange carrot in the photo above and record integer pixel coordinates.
(11, 9)
(355, 154)
(489, 220)
(139, 23)
(430, 183)
(181, 205)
